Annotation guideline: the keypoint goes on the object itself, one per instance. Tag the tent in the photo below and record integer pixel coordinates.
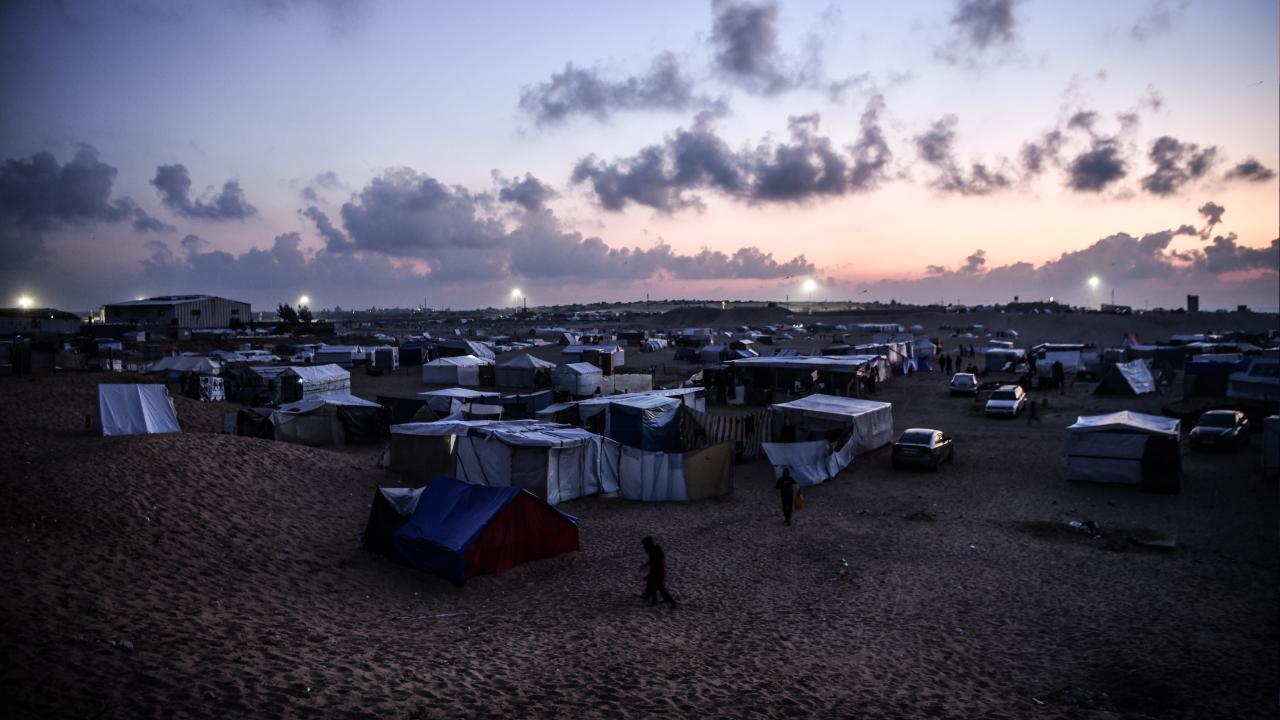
(1131, 378)
(456, 347)
(178, 365)
(645, 422)
(577, 378)
(1000, 359)
(1126, 447)
(390, 510)
(525, 371)
(827, 417)
(458, 370)
(344, 355)
(442, 401)
(313, 380)
(328, 420)
(711, 354)
(136, 410)
(460, 531)
(384, 357)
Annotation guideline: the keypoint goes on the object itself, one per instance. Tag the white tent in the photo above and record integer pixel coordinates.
(871, 422)
(320, 379)
(524, 371)
(1125, 447)
(810, 463)
(1131, 378)
(318, 420)
(136, 410)
(577, 378)
(185, 364)
(460, 370)
(443, 400)
(344, 355)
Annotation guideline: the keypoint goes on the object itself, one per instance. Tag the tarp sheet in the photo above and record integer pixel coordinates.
(810, 463)
(136, 410)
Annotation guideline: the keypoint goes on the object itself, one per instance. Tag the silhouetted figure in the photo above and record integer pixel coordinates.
(1059, 376)
(787, 493)
(656, 579)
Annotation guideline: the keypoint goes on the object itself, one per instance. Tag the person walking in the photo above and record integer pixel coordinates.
(656, 578)
(787, 493)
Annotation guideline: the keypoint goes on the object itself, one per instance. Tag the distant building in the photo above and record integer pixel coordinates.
(38, 321)
(178, 311)
(1193, 303)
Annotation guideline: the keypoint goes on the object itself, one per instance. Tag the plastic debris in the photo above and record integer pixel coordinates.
(1087, 527)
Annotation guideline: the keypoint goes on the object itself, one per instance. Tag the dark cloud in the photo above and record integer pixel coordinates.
(39, 195)
(327, 180)
(1212, 214)
(1083, 120)
(1250, 170)
(935, 148)
(335, 241)
(745, 38)
(667, 177)
(577, 91)
(1157, 19)
(529, 193)
(979, 26)
(1225, 255)
(1096, 168)
(173, 182)
(1037, 156)
(1177, 163)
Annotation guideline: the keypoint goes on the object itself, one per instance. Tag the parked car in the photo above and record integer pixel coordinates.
(1007, 400)
(923, 447)
(1220, 428)
(964, 384)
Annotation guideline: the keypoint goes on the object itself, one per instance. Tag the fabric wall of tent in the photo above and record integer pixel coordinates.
(1210, 375)
(448, 400)
(744, 433)
(460, 530)
(451, 347)
(640, 475)
(579, 379)
(829, 417)
(343, 355)
(332, 419)
(414, 353)
(525, 371)
(524, 407)
(401, 410)
(177, 366)
(811, 462)
(1002, 359)
(312, 380)
(1131, 378)
(646, 422)
(457, 370)
(1128, 448)
(135, 410)
(417, 457)
(390, 510)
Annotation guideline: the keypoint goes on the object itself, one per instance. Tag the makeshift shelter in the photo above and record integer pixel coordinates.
(135, 410)
(390, 510)
(451, 399)
(344, 355)
(828, 417)
(1000, 359)
(330, 419)
(417, 457)
(605, 357)
(1131, 378)
(577, 378)
(646, 422)
(458, 370)
(525, 371)
(414, 353)
(175, 367)
(304, 381)
(459, 530)
(712, 354)
(1127, 448)
(384, 357)
(452, 347)
(1210, 375)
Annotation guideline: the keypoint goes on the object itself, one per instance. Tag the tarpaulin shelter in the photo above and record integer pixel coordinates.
(828, 417)
(390, 510)
(460, 530)
(1209, 375)
(525, 371)
(135, 410)
(330, 419)
(999, 359)
(175, 367)
(456, 347)
(312, 380)
(577, 378)
(526, 406)
(449, 399)
(401, 409)
(344, 355)
(1131, 378)
(457, 370)
(646, 422)
(712, 354)
(414, 353)
(1128, 448)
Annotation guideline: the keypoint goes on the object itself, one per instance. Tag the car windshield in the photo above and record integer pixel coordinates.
(916, 438)
(962, 380)
(1216, 420)
(1004, 395)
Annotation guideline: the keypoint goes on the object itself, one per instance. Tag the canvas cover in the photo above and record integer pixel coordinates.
(871, 422)
(460, 530)
(459, 370)
(810, 462)
(577, 378)
(343, 355)
(442, 400)
(185, 364)
(320, 379)
(1131, 378)
(1127, 448)
(136, 410)
(524, 371)
(390, 510)
(418, 458)
(326, 419)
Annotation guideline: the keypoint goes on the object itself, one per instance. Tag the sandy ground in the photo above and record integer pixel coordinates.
(205, 575)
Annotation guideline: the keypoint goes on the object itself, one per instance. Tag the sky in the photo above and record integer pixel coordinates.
(457, 155)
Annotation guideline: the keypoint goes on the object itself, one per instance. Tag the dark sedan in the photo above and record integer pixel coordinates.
(1220, 428)
(924, 448)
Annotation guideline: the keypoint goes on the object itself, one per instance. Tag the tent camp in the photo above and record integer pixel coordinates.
(135, 410)
(817, 436)
(344, 355)
(1126, 447)
(442, 401)
(330, 419)
(457, 347)
(1131, 378)
(577, 378)
(525, 371)
(458, 370)
(458, 530)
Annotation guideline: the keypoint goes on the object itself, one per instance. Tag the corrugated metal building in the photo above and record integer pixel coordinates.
(181, 311)
(38, 321)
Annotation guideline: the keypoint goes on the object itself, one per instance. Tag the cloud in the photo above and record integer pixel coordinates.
(335, 241)
(1212, 214)
(1037, 156)
(39, 195)
(529, 193)
(1177, 163)
(579, 92)
(1250, 170)
(1225, 255)
(342, 16)
(809, 165)
(1096, 168)
(745, 40)
(934, 147)
(1157, 20)
(979, 26)
(173, 183)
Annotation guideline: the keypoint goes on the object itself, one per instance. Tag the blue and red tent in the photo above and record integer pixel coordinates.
(459, 530)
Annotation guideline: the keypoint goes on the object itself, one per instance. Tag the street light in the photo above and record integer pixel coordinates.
(304, 300)
(809, 286)
(1094, 281)
(25, 302)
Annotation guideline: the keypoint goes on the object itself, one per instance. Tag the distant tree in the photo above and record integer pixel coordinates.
(287, 313)
(304, 314)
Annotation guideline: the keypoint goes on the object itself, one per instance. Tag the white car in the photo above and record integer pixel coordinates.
(1008, 400)
(964, 384)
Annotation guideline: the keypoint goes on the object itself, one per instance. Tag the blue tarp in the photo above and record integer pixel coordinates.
(449, 517)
